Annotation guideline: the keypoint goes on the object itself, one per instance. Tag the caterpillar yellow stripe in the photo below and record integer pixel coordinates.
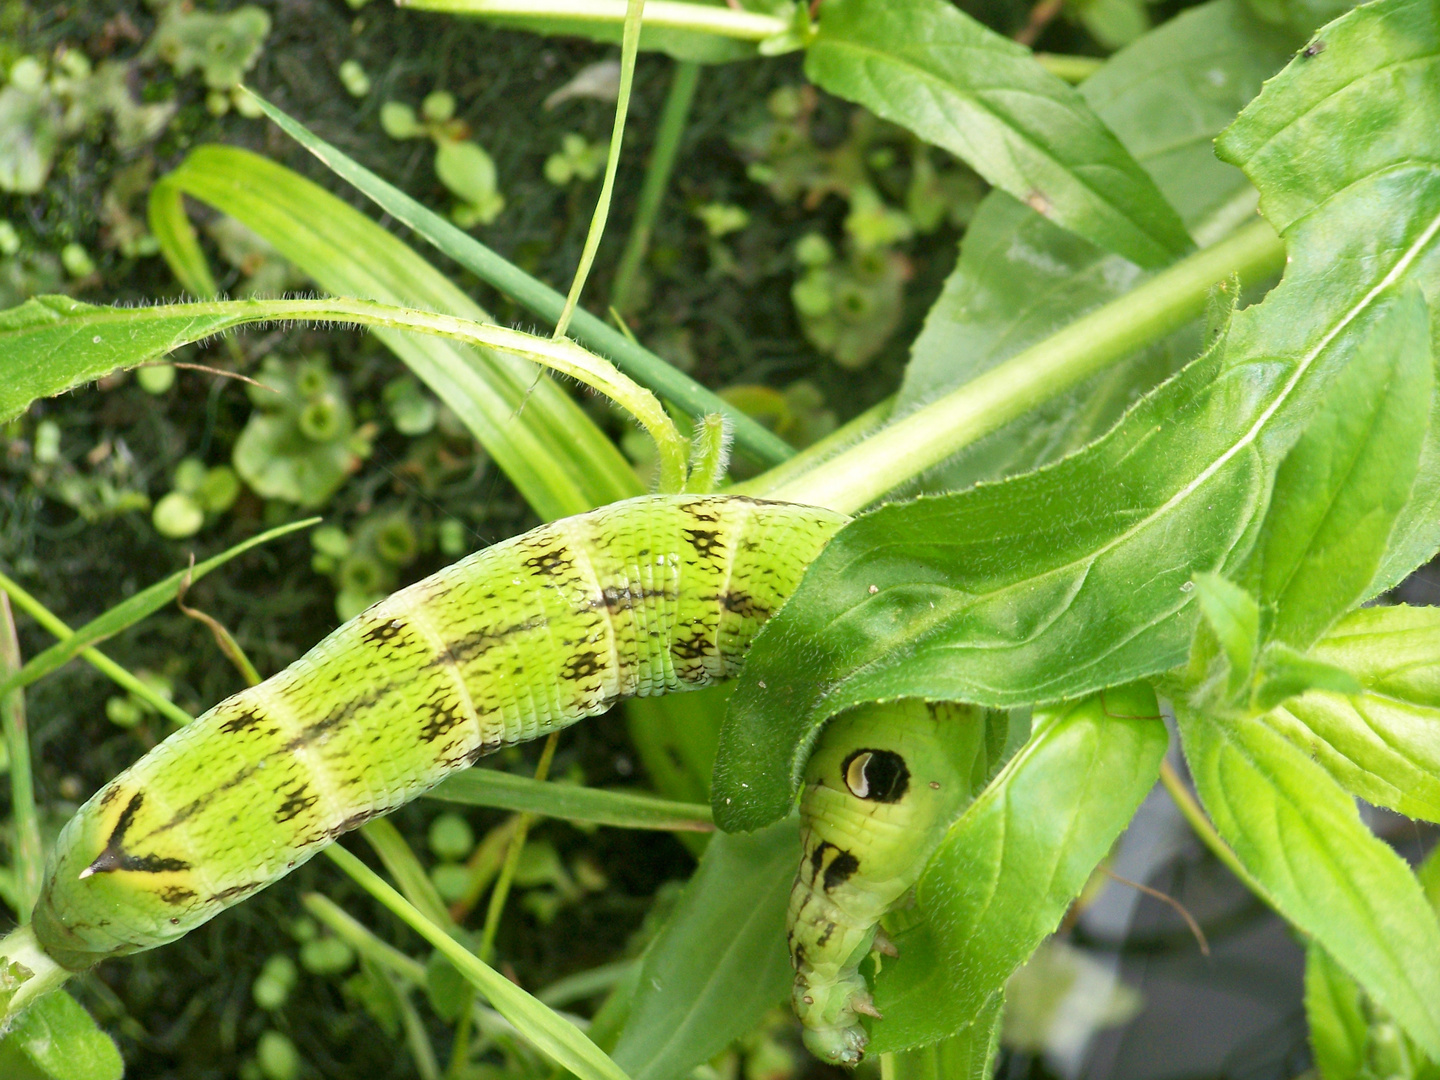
(642, 597)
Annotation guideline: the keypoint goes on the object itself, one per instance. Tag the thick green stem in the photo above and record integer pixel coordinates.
(629, 47)
(703, 18)
(44, 974)
(857, 477)
(29, 853)
(657, 179)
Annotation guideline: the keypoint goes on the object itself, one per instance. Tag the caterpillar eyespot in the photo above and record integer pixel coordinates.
(883, 784)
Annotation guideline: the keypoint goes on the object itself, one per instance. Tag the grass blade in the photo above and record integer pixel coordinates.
(597, 806)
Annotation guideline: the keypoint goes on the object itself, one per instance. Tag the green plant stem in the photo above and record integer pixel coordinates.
(632, 358)
(1071, 68)
(29, 852)
(629, 46)
(657, 180)
(1195, 814)
(704, 18)
(20, 946)
(93, 656)
(857, 477)
(501, 892)
(842, 438)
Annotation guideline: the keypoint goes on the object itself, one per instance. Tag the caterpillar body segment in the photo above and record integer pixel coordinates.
(882, 787)
(643, 597)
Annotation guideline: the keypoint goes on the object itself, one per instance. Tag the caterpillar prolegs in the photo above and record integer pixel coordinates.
(642, 597)
(882, 786)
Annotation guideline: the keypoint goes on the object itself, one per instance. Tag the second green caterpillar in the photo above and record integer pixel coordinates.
(643, 597)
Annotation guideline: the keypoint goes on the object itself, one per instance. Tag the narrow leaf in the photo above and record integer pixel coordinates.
(641, 364)
(1234, 616)
(1299, 834)
(719, 964)
(926, 65)
(551, 449)
(598, 806)
(129, 612)
(1287, 673)
(1010, 867)
(1340, 489)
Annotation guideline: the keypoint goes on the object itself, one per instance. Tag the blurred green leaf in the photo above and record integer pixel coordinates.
(719, 964)
(1298, 833)
(1010, 867)
(1339, 1028)
(56, 1039)
(926, 65)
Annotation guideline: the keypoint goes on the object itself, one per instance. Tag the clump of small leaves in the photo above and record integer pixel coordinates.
(301, 441)
(223, 47)
(577, 158)
(462, 164)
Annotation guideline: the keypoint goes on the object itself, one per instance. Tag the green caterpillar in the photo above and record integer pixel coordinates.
(642, 597)
(883, 784)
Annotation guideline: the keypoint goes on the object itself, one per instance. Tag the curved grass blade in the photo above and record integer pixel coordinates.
(636, 361)
(555, 1036)
(550, 448)
(597, 806)
(134, 609)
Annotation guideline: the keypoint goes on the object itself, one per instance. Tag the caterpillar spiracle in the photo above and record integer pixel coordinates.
(883, 785)
(642, 597)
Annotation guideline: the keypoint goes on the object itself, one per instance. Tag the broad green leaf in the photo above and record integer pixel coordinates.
(1234, 617)
(551, 449)
(1339, 490)
(1299, 835)
(1333, 1009)
(598, 806)
(719, 964)
(1346, 133)
(1010, 867)
(1020, 277)
(926, 65)
(970, 1055)
(56, 1039)
(1062, 581)
(632, 358)
(1383, 744)
(132, 610)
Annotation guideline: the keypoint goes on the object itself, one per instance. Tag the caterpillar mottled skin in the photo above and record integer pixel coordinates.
(881, 788)
(642, 597)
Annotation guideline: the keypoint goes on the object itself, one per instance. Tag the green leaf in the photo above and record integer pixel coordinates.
(1338, 1026)
(57, 1039)
(1299, 835)
(598, 806)
(1234, 616)
(970, 1055)
(1010, 867)
(1383, 743)
(1021, 277)
(929, 67)
(719, 964)
(1370, 75)
(1287, 673)
(137, 607)
(1059, 582)
(1339, 490)
(551, 449)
